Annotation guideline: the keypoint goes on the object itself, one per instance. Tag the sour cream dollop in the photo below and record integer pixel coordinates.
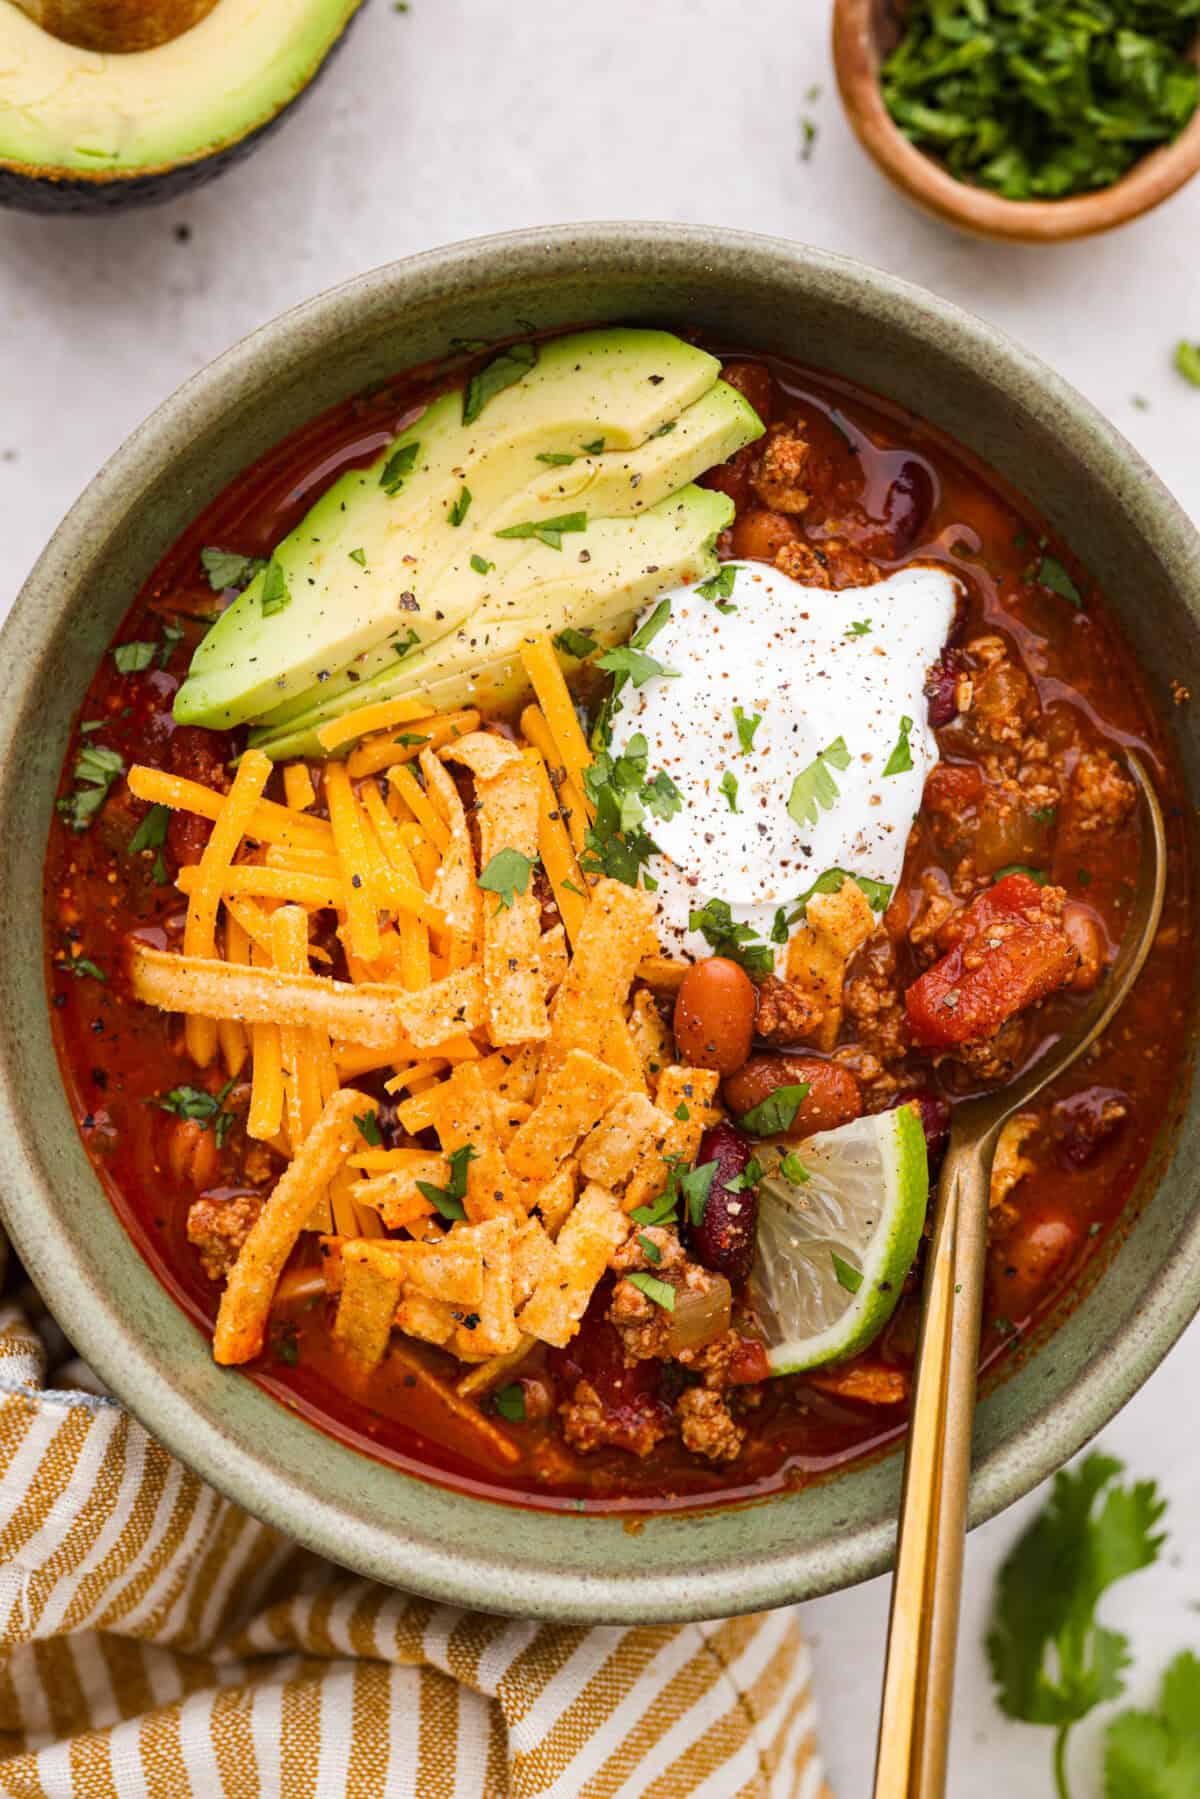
(835, 682)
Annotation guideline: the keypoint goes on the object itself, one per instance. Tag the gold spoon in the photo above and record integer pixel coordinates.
(918, 1681)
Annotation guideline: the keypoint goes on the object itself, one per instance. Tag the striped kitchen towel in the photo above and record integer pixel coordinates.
(160, 1643)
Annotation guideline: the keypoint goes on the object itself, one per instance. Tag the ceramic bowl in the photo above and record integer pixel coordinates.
(864, 33)
(1017, 416)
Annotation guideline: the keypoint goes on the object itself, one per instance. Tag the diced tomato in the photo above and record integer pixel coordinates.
(952, 787)
(748, 1365)
(1010, 953)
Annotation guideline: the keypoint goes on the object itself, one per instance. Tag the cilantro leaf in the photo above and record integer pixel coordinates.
(359, 556)
(877, 893)
(398, 467)
(510, 1402)
(661, 1292)
(556, 458)
(503, 371)
(737, 942)
(793, 1170)
(749, 1178)
(1053, 575)
(1051, 1660)
(900, 760)
(548, 530)
(229, 568)
(1021, 868)
(1156, 1755)
(132, 658)
(662, 796)
(276, 594)
(746, 727)
(507, 874)
(151, 834)
(860, 628)
(635, 664)
(461, 506)
(848, 1276)
(729, 787)
(206, 1109)
(719, 587)
(80, 966)
(1187, 361)
(368, 1129)
(448, 1200)
(616, 843)
(814, 790)
(481, 565)
(694, 1189)
(96, 768)
(579, 644)
(649, 1248)
(172, 634)
(775, 1114)
(595, 448)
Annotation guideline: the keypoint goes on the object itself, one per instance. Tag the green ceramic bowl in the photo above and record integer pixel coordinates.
(1007, 407)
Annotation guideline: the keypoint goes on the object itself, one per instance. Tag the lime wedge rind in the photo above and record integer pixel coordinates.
(864, 1202)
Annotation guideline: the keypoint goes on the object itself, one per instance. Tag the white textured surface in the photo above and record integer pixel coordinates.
(468, 116)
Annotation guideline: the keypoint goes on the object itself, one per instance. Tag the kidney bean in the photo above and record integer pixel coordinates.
(942, 686)
(753, 381)
(1089, 1122)
(191, 1153)
(724, 1239)
(758, 535)
(909, 504)
(833, 1096)
(714, 1015)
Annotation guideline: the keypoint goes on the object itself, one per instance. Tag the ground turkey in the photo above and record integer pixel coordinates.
(707, 1425)
(218, 1228)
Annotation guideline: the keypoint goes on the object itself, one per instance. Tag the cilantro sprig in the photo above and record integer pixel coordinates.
(204, 1108)
(96, 768)
(814, 790)
(448, 1200)
(623, 792)
(738, 943)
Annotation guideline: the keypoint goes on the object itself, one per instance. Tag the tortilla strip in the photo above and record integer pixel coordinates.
(483, 752)
(651, 1037)
(626, 1133)
(371, 1285)
(395, 1194)
(359, 1015)
(836, 927)
(246, 1301)
(618, 923)
(596, 1228)
(514, 985)
(556, 1197)
(553, 957)
(491, 1328)
(446, 1008)
(467, 1417)
(689, 1091)
(463, 1113)
(454, 890)
(580, 1093)
(490, 1373)
(532, 1258)
(664, 974)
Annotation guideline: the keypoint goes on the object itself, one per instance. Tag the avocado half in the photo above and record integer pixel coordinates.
(86, 131)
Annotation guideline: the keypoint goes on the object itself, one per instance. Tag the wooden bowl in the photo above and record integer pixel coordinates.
(864, 32)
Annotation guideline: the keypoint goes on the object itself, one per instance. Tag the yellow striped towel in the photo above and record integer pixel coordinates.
(159, 1643)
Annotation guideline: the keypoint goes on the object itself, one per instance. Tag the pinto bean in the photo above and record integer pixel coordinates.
(833, 1096)
(759, 535)
(192, 1153)
(714, 1015)
(1083, 928)
(1032, 1256)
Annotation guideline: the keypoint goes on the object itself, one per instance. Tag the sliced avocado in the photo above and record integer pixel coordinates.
(630, 562)
(389, 559)
(81, 130)
(612, 484)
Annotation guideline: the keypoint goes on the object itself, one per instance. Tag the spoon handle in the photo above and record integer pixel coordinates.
(918, 1683)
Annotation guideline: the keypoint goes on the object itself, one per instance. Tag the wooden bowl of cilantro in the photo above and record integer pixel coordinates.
(1035, 122)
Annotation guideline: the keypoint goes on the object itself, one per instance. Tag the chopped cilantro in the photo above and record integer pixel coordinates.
(662, 796)
(649, 1248)
(548, 530)
(151, 834)
(275, 593)
(634, 664)
(737, 942)
(860, 628)
(359, 556)
(792, 1169)
(665, 430)
(1021, 868)
(368, 1129)
(746, 727)
(398, 467)
(481, 565)
(405, 645)
(448, 1200)
(410, 739)
(814, 790)
(511, 366)
(172, 634)
(848, 1276)
(661, 1292)
(80, 966)
(131, 658)
(749, 1178)
(1053, 575)
(507, 874)
(206, 1109)
(575, 643)
(229, 568)
(719, 587)
(773, 1115)
(594, 448)
(461, 506)
(96, 768)
(694, 1189)
(729, 787)
(616, 843)
(556, 458)
(1187, 361)
(900, 760)
(1045, 815)
(510, 1402)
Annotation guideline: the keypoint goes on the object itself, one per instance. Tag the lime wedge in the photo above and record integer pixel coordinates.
(833, 1250)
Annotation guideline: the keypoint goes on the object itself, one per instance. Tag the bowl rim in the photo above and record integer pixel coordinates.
(478, 1576)
(924, 181)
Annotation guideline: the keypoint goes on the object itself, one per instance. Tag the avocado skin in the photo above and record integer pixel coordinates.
(74, 194)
